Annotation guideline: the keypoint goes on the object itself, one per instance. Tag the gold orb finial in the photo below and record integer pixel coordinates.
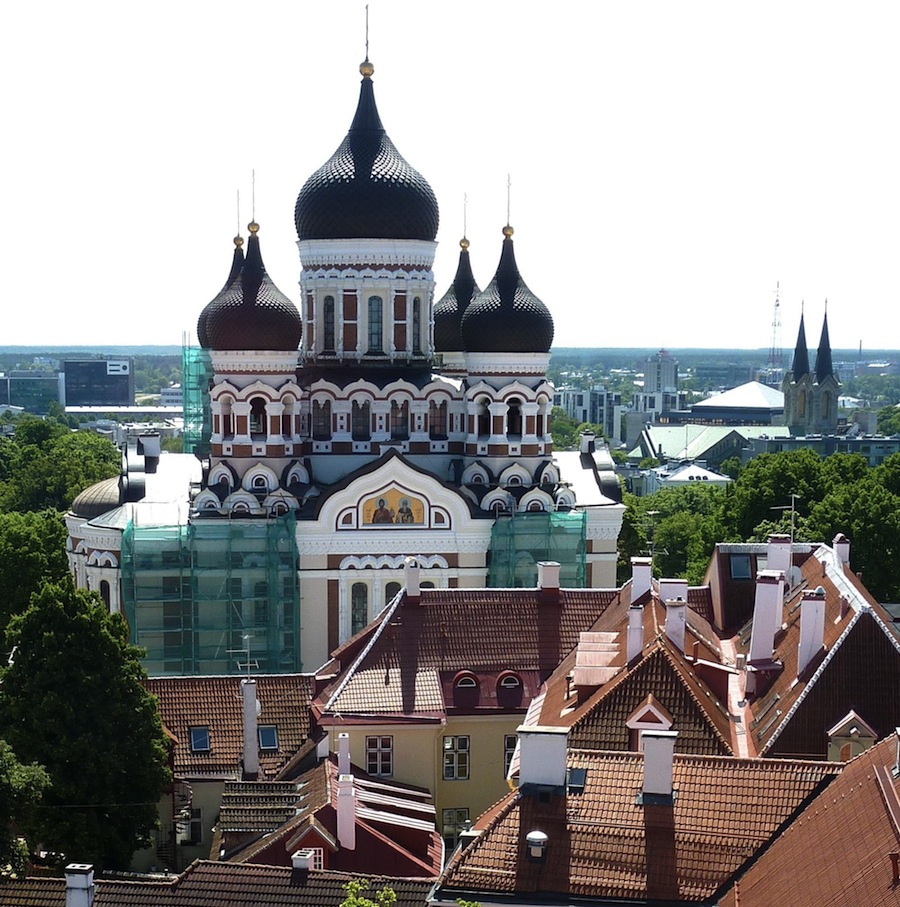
(239, 241)
(366, 69)
(464, 243)
(253, 227)
(508, 231)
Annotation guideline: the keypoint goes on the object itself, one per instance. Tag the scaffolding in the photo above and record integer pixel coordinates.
(520, 540)
(214, 596)
(196, 373)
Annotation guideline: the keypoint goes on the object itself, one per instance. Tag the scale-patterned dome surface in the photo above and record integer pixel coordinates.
(449, 311)
(506, 317)
(366, 189)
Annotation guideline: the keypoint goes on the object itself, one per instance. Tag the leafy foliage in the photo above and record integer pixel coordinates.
(21, 787)
(73, 700)
(566, 431)
(355, 898)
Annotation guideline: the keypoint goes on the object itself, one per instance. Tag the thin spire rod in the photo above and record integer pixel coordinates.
(367, 31)
(238, 213)
(465, 211)
(253, 185)
(508, 196)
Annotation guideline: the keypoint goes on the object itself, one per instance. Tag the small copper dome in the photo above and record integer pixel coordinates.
(98, 499)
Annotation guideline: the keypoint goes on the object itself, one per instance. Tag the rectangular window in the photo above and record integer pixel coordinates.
(376, 343)
(453, 821)
(380, 756)
(456, 758)
(740, 566)
(509, 747)
(199, 739)
(268, 737)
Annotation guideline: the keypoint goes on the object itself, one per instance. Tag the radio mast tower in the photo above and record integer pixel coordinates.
(776, 359)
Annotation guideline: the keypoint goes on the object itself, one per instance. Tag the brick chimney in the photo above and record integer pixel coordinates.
(812, 627)
(542, 755)
(411, 580)
(251, 741)
(778, 553)
(659, 752)
(79, 885)
(343, 753)
(640, 577)
(548, 581)
(767, 612)
(346, 812)
(635, 640)
(842, 548)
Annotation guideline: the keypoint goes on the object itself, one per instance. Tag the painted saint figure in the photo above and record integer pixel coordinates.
(382, 514)
(405, 514)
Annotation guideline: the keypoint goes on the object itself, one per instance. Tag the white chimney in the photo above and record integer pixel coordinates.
(672, 589)
(676, 615)
(548, 575)
(659, 751)
(587, 442)
(411, 580)
(303, 858)
(79, 885)
(346, 812)
(640, 577)
(542, 755)
(842, 547)
(767, 610)
(251, 742)
(812, 627)
(343, 753)
(778, 553)
(635, 641)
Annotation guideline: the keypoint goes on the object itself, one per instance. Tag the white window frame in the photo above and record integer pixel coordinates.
(456, 758)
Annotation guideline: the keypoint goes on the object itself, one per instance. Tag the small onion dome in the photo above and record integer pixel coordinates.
(507, 317)
(97, 499)
(449, 311)
(366, 189)
(251, 313)
(237, 262)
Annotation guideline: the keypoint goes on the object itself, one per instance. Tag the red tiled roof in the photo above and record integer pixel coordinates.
(220, 885)
(837, 851)
(602, 844)
(478, 630)
(215, 702)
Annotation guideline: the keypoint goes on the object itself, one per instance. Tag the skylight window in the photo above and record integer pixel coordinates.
(268, 737)
(199, 739)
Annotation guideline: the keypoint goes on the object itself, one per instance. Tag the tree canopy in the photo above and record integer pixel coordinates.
(21, 787)
(73, 700)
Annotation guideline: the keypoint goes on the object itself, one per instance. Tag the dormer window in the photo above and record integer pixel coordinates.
(466, 682)
(509, 690)
(268, 737)
(199, 739)
(509, 682)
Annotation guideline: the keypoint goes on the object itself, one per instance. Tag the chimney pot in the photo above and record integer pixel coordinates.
(635, 638)
(251, 742)
(659, 751)
(346, 812)
(778, 553)
(842, 548)
(587, 442)
(767, 611)
(812, 628)
(536, 843)
(412, 580)
(676, 615)
(640, 577)
(548, 581)
(79, 885)
(303, 858)
(343, 753)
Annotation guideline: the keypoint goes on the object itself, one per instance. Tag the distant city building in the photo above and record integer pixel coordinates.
(811, 396)
(98, 382)
(875, 448)
(597, 406)
(31, 389)
(171, 396)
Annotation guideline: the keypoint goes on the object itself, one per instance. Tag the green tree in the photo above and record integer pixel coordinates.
(889, 420)
(32, 552)
(731, 467)
(355, 897)
(21, 787)
(73, 700)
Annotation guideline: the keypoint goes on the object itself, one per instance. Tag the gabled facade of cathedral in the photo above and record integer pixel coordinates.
(811, 397)
(364, 428)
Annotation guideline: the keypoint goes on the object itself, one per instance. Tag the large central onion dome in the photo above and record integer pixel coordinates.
(249, 312)
(366, 190)
(449, 311)
(507, 317)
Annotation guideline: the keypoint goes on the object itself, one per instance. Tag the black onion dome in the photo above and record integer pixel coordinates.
(237, 262)
(98, 499)
(507, 317)
(449, 311)
(251, 313)
(366, 189)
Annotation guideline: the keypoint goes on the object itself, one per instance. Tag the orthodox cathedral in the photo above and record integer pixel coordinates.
(342, 438)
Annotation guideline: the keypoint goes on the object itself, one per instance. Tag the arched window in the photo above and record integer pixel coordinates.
(535, 507)
(399, 421)
(359, 607)
(483, 419)
(328, 325)
(417, 325)
(279, 508)
(104, 592)
(260, 483)
(426, 585)
(322, 420)
(498, 507)
(437, 420)
(360, 422)
(376, 322)
(801, 404)
(257, 416)
(390, 590)
(826, 406)
(514, 417)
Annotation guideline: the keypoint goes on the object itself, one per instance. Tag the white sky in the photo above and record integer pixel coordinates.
(670, 161)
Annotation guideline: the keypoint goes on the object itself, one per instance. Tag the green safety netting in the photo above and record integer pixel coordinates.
(196, 371)
(520, 540)
(213, 596)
